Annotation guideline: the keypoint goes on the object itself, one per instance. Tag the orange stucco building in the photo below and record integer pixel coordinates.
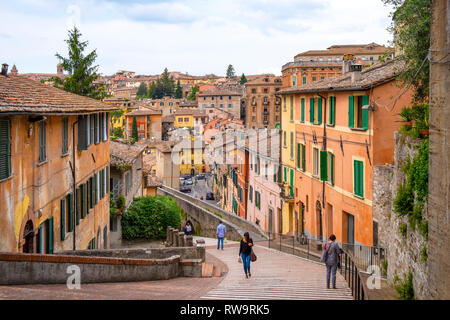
(42, 208)
(337, 143)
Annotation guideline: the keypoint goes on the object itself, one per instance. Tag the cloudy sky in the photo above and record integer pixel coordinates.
(194, 36)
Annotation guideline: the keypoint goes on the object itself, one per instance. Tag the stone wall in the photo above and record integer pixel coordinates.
(403, 255)
(439, 170)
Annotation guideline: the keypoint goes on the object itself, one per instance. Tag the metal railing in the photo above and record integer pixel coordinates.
(365, 256)
(310, 247)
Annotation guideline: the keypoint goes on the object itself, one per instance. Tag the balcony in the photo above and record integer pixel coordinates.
(287, 192)
(278, 102)
(333, 63)
(265, 102)
(265, 112)
(265, 122)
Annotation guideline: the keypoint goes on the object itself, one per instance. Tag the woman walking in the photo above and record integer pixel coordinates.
(245, 252)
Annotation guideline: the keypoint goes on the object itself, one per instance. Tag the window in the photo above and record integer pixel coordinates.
(229, 97)
(180, 119)
(212, 105)
(212, 98)
(284, 139)
(357, 117)
(45, 237)
(65, 135)
(221, 97)
(292, 109)
(186, 119)
(292, 146)
(161, 104)
(294, 80)
(331, 111)
(253, 90)
(304, 81)
(315, 114)
(284, 103)
(257, 199)
(91, 129)
(324, 165)
(96, 128)
(5, 148)
(170, 103)
(275, 173)
(267, 170)
(314, 78)
(221, 106)
(250, 195)
(302, 119)
(299, 149)
(66, 220)
(230, 105)
(331, 168)
(42, 141)
(358, 178)
(266, 90)
(315, 162)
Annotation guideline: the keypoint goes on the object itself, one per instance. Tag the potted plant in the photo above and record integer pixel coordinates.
(407, 115)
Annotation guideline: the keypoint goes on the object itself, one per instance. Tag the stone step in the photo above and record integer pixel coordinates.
(217, 271)
(207, 270)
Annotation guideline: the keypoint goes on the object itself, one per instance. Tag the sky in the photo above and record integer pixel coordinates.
(193, 36)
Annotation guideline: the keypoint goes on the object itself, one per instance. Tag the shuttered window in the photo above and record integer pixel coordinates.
(65, 135)
(332, 111)
(292, 109)
(107, 180)
(49, 236)
(250, 195)
(319, 111)
(302, 110)
(358, 176)
(311, 110)
(303, 158)
(83, 201)
(70, 212)
(77, 206)
(5, 148)
(91, 193)
(351, 115)
(292, 183)
(331, 168)
(96, 128)
(106, 126)
(324, 165)
(63, 219)
(91, 129)
(42, 141)
(365, 113)
(291, 147)
(299, 148)
(83, 132)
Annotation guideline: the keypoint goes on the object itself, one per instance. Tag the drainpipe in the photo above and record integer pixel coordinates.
(74, 186)
(324, 148)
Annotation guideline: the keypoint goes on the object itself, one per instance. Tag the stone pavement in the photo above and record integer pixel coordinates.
(275, 275)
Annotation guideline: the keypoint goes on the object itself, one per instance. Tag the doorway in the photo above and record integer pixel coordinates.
(28, 235)
(319, 220)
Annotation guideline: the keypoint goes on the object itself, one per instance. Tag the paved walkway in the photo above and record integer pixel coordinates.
(275, 275)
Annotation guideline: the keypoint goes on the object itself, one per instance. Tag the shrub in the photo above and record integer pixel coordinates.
(424, 254)
(423, 228)
(403, 230)
(149, 217)
(404, 201)
(120, 202)
(405, 287)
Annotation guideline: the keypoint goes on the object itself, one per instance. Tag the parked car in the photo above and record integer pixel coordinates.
(185, 176)
(189, 182)
(200, 176)
(209, 196)
(186, 189)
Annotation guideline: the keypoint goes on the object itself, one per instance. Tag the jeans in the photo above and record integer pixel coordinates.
(246, 262)
(219, 242)
(331, 270)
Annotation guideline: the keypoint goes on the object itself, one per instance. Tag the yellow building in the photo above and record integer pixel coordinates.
(117, 118)
(192, 158)
(287, 174)
(184, 119)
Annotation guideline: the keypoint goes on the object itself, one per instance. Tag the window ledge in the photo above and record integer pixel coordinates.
(6, 179)
(358, 129)
(330, 125)
(358, 197)
(64, 155)
(42, 163)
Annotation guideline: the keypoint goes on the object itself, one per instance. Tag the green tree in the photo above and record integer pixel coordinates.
(193, 94)
(149, 217)
(151, 90)
(243, 79)
(178, 91)
(134, 132)
(411, 29)
(142, 91)
(81, 68)
(230, 72)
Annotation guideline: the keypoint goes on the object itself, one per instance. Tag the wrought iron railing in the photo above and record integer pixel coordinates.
(310, 247)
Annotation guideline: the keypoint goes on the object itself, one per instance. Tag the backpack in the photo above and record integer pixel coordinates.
(325, 252)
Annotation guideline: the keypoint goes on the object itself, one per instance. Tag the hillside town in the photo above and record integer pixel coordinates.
(293, 158)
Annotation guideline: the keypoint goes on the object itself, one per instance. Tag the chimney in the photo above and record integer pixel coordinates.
(356, 72)
(4, 69)
(347, 61)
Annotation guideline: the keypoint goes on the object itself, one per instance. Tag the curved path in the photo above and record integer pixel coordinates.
(275, 275)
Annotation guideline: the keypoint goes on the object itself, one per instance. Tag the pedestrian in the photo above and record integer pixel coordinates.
(245, 253)
(221, 230)
(331, 256)
(188, 228)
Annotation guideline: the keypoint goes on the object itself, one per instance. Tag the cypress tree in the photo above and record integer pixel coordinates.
(134, 132)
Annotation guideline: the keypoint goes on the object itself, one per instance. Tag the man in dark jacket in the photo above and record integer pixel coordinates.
(332, 256)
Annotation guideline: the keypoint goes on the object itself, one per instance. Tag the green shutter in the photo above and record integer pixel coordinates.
(5, 148)
(303, 157)
(365, 113)
(82, 133)
(285, 174)
(311, 110)
(42, 141)
(82, 201)
(77, 206)
(298, 155)
(292, 182)
(63, 219)
(91, 193)
(65, 136)
(332, 108)
(332, 168)
(292, 109)
(38, 249)
(70, 215)
(50, 236)
(319, 111)
(107, 180)
(323, 165)
(303, 110)
(250, 196)
(351, 110)
(359, 178)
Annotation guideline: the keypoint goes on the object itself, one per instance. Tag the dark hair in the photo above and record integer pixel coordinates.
(332, 237)
(247, 235)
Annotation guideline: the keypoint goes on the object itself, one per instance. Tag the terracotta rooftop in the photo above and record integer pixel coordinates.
(143, 112)
(219, 92)
(20, 94)
(122, 153)
(193, 112)
(370, 77)
(152, 181)
(149, 160)
(261, 80)
(371, 48)
(169, 118)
